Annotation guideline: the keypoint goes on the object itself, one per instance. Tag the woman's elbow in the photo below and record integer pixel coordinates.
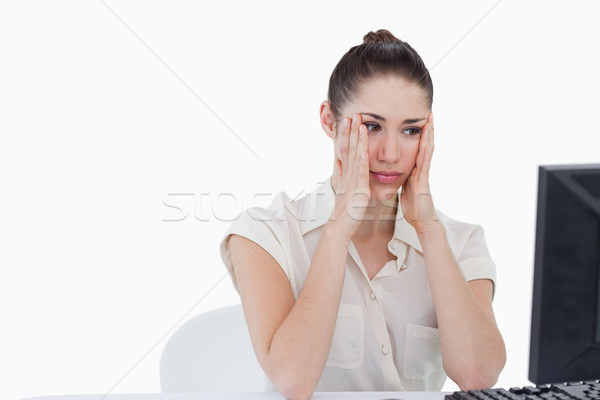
(292, 384)
(474, 381)
(296, 390)
(481, 377)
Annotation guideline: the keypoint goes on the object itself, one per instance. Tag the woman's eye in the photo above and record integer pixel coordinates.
(412, 131)
(372, 127)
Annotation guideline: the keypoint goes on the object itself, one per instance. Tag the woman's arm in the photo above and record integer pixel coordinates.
(472, 348)
(292, 338)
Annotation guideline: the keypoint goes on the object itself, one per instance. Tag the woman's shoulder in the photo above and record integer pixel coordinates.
(279, 213)
(456, 226)
(280, 221)
(266, 226)
(299, 214)
(460, 233)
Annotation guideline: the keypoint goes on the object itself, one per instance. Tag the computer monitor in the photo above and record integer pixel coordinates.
(565, 320)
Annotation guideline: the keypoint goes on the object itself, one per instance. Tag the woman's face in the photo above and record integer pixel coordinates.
(394, 112)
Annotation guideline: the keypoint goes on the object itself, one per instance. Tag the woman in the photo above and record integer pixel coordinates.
(363, 284)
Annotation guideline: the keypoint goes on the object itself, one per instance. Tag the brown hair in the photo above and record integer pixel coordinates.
(381, 53)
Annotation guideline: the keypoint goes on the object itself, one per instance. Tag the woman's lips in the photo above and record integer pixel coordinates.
(385, 177)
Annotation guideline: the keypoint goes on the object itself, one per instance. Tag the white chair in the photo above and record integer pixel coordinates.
(211, 352)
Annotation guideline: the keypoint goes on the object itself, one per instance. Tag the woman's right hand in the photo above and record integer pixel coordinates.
(352, 169)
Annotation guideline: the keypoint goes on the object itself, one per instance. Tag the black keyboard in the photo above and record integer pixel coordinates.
(557, 391)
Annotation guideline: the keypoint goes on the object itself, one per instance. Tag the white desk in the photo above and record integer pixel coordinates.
(251, 396)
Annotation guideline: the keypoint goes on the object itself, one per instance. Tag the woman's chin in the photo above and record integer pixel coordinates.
(385, 194)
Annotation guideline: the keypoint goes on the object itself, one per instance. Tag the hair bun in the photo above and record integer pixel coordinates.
(382, 35)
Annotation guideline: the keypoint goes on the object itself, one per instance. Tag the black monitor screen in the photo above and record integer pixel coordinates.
(565, 320)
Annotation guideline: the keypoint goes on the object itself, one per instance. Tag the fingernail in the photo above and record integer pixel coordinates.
(354, 118)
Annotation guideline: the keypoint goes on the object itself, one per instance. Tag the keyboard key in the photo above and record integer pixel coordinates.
(492, 394)
(478, 394)
(531, 390)
(463, 396)
(543, 388)
(562, 396)
(557, 387)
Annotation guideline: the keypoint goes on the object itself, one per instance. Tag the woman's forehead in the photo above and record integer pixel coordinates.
(390, 97)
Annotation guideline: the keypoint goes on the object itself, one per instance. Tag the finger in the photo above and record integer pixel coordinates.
(363, 172)
(363, 140)
(413, 175)
(426, 163)
(343, 143)
(354, 135)
(353, 159)
(340, 169)
(361, 149)
(429, 146)
(431, 131)
(352, 164)
(426, 134)
(420, 161)
(425, 142)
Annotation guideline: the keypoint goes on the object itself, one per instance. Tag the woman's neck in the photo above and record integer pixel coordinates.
(379, 219)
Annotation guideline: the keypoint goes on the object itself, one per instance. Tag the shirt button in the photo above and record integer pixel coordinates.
(384, 350)
(395, 245)
(372, 296)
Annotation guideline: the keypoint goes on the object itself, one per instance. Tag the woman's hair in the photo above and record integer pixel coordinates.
(381, 53)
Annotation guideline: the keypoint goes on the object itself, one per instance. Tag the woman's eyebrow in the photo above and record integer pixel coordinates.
(380, 118)
(377, 117)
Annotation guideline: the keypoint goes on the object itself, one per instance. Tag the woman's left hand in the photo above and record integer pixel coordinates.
(415, 199)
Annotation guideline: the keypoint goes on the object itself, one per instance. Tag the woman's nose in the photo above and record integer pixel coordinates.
(389, 148)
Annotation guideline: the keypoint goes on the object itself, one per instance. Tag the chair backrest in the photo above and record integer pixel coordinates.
(211, 352)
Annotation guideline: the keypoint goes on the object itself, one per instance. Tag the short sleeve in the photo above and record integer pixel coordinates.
(475, 260)
(259, 231)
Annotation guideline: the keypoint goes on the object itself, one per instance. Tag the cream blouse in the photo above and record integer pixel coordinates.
(386, 336)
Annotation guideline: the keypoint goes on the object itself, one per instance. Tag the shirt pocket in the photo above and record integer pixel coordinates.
(422, 354)
(347, 347)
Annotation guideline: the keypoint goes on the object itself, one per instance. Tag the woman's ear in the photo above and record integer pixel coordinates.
(327, 119)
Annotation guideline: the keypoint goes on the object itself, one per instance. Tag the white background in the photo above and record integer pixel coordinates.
(108, 109)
